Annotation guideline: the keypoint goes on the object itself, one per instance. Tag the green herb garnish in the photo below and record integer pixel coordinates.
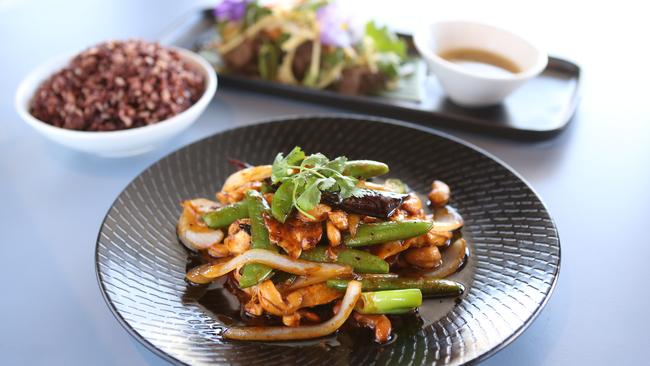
(302, 180)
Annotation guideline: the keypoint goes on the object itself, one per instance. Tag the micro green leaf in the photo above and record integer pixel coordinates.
(295, 156)
(280, 168)
(282, 203)
(310, 197)
(315, 161)
(337, 164)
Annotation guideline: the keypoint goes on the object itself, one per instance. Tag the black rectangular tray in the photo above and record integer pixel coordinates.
(540, 109)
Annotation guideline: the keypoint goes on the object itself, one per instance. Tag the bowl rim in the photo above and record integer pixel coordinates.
(423, 31)
(30, 83)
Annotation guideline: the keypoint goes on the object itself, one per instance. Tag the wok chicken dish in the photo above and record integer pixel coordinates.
(310, 243)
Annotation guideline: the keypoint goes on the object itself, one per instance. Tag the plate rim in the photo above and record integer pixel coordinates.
(349, 116)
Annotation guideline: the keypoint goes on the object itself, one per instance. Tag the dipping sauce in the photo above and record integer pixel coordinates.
(481, 62)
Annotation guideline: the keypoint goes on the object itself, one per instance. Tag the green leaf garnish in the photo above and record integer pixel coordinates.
(304, 178)
(283, 201)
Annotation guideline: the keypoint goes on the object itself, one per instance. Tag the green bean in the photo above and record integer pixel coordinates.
(389, 302)
(226, 215)
(382, 232)
(360, 261)
(365, 168)
(254, 273)
(430, 287)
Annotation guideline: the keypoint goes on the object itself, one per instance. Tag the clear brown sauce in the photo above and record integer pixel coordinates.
(481, 62)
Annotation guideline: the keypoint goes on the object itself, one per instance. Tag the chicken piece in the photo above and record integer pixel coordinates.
(272, 302)
(292, 320)
(218, 251)
(353, 223)
(426, 257)
(317, 294)
(413, 205)
(296, 318)
(398, 215)
(333, 234)
(379, 323)
(294, 235)
(239, 236)
(253, 306)
(438, 238)
(389, 249)
(319, 213)
(237, 194)
(191, 229)
(339, 219)
(247, 175)
(242, 181)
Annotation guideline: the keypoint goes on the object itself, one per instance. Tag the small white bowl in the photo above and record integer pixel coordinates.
(120, 143)
(465, 87)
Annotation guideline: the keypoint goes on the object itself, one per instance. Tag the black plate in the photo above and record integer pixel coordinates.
(540, 109)
(512, 269)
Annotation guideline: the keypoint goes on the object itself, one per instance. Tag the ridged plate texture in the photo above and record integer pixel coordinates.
(514, 246)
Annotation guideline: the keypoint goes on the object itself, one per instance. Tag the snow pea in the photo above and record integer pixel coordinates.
(224, 216)
(360, 261)
(364, 169)
(254, 273)
(382, 232)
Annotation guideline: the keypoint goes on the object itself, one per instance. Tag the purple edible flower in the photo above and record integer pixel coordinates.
(335, 29)
(231, 10)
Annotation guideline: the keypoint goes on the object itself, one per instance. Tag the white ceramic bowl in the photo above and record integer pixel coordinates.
(468, 88)
(120, 143)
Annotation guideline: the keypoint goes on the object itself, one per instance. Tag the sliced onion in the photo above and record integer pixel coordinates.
(301, 282)
(452, 259)
(241, 177)
(271, 259)
(301, 332)
(447, 219)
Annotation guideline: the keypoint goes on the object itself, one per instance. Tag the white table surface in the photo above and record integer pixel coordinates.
(595, 179)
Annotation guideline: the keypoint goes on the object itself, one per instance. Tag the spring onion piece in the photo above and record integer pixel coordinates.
(281, 333)
(389, 302)
(208, 272)
(430, 287)
(369, 234)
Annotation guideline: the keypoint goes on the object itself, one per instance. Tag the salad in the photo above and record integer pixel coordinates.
(309, 43)
(309, 244)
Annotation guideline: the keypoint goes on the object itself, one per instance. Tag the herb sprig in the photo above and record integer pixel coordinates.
(302, 180)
